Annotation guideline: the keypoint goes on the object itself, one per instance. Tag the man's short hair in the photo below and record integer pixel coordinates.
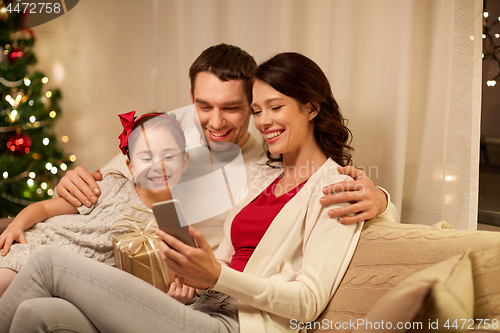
(227, 62)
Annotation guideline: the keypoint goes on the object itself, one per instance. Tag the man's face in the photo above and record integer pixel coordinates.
(223, 109)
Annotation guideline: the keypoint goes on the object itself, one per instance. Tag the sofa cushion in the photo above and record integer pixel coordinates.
(442, 291)
(486, 271)
(388, 252)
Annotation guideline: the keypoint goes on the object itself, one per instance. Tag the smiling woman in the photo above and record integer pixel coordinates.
(307, 96)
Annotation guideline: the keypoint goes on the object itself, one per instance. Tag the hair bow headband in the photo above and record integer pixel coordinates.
(127, 120)
(128, 123)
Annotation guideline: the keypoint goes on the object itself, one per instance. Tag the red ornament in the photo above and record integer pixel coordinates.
(15, 54)
(19, 144)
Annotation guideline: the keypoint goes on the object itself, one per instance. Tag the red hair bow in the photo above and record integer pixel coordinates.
(127, 120)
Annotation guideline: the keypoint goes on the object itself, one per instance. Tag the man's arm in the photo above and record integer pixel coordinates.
(79, 187)
(368, 201)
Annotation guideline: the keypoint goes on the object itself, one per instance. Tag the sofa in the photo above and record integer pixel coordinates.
(410, 274)
(445, 279)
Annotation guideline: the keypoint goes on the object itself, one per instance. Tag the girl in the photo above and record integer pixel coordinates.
(282, 257)
(155, 147)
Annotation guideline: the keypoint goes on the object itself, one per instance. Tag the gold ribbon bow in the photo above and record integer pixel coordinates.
(132, 243)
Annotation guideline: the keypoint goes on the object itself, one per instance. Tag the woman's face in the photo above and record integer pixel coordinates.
(285, 123)
(157, 162)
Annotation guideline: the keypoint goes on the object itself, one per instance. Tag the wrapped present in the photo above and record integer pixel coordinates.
(137, 252)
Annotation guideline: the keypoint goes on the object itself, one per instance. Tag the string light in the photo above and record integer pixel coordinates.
(31, 102)
(27, 82)
(30, 182)
(53, 170)
(65, 138)
(5, 175)
(17, 200)
(64, 167)
(72, 158)
(39, 191)
(9, 99)
(45, 79)
(52, 114)
(44, 185)
(45, 141)
(7, 83)
(32, 174)
(14, 128)
(490, 49)
(50, 192)
(48, 94)
(48, 166)
(13, 115)
(32, 119)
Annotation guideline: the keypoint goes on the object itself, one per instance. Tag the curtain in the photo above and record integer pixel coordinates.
(406, 74)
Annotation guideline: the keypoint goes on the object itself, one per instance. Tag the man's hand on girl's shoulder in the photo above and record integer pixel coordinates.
(79, 187)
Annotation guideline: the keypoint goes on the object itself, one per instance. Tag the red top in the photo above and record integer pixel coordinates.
(251, 223)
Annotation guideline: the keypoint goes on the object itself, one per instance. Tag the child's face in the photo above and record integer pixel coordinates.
(158, 163)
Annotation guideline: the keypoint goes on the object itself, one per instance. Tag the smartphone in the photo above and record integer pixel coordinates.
(170, 219)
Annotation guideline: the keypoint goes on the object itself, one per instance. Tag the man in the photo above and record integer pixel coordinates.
(221, 89)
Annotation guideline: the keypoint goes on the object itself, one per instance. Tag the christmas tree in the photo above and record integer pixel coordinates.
(31, 161)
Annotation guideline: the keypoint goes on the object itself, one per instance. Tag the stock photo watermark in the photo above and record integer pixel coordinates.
(364, 324)
(36, 12)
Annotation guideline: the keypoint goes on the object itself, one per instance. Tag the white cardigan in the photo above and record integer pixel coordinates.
(299, 262)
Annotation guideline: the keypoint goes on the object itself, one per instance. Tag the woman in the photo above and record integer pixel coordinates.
(282, 257)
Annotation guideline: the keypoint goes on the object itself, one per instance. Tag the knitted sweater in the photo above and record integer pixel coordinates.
(88, 232)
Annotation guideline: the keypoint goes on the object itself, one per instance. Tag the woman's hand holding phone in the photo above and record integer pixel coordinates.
(197, 266)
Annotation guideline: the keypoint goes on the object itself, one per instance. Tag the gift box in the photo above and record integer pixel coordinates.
(137, 252)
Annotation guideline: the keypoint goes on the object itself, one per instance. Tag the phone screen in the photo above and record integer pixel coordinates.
(170, 219)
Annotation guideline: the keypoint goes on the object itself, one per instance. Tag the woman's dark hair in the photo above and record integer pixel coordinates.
(297, 76)
(167, 121)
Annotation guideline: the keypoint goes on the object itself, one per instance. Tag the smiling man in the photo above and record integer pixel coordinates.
(221, 89)
(222, 107)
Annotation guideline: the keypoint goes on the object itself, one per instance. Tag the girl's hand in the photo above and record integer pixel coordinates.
(180, 291)
(197, 266)
(12, 234)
